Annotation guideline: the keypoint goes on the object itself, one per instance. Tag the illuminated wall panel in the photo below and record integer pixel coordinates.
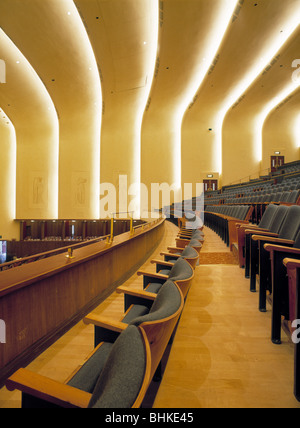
(281, 130)
(255, 33)
(8, 229)
(188, 39)
(124, 39)
(242, 128)
(30, 109)
(52, 37)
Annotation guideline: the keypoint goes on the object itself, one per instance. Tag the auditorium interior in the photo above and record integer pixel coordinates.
(150, 204)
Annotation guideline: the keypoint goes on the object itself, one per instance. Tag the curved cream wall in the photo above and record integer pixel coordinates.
(53, 39)
(8, 229)
(188, 34)
(124, 39)
(131, 87)
(243, 124)
(253, 37)
(281, 131)
(22, 96)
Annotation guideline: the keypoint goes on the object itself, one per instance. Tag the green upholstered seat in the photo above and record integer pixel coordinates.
(122, 376)
(166, 303)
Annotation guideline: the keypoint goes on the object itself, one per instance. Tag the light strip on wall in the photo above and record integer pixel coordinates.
(93, 79)
(10, 170)
(261, 118)
(208, 53)
(40, 90)
(296, 129)
(242, 86)
(150, 43)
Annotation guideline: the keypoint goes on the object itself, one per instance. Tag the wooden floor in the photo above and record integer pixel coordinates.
(222, 356)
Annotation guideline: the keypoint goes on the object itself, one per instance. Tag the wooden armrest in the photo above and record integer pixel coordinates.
(249, 226)
(275, 240)
(291, 263)
(137, 293)
(161, 262)
(263, 235)
(100, 321)
(273, 247)
(256, 230)
(237, 221)
(170, 254)
(175, 249)
(48, 389)
(152, 275)
(244, 224)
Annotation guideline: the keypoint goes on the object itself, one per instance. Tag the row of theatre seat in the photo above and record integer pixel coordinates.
(128, 351)
(269, 253)
(286, 191)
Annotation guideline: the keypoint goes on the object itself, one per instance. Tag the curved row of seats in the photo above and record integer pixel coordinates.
(128, 350)
(219, 219)
(263, 250)
(285, 189)
(289, 197)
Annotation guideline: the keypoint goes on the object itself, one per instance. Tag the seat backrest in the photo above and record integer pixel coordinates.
(297, 241)
(278, 218)
(166, 303)
(190, 255)
(197, 232)
(197, 235)
(125, 373)
(290, 226)
(195, 243)
(245, 212)
(293, 196)
(189, 252)
(181, 269)
(267, 216)
(160, 323)
(182, 273)
(277, 197)
(285, 196)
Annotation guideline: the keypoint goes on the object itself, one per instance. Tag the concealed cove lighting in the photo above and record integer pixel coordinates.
(209, 51)
(266, 111)
(82, 40)
(42, 96)
(150, 41)
(296, 131)
(270, 52)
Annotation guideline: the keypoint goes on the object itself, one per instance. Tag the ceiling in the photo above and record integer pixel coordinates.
(154, 91)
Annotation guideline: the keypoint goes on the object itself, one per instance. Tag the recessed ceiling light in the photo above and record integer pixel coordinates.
(18, 62)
